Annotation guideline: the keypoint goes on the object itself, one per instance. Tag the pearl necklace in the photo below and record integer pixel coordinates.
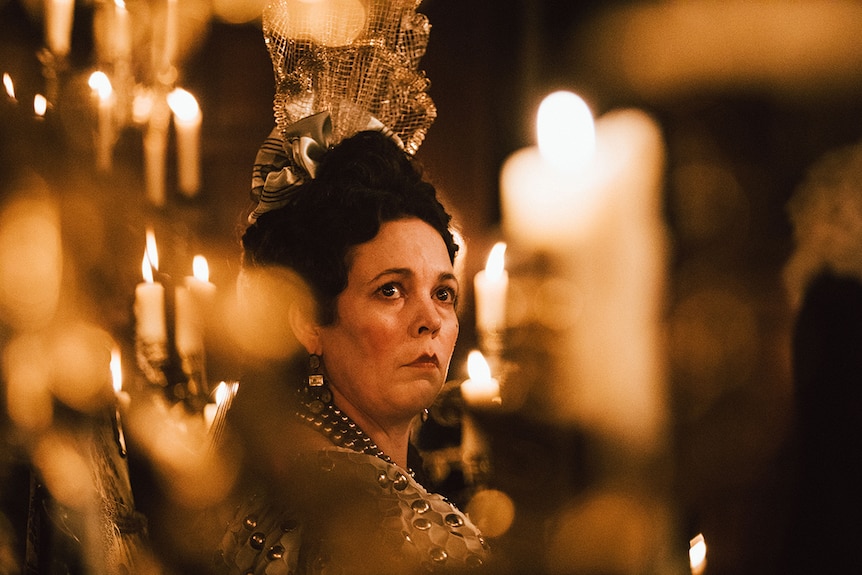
(318, 411)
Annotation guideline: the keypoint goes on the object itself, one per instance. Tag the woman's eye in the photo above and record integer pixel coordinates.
(446, 294)
(390, 291)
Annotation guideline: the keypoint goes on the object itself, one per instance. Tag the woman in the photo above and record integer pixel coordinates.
(336, 485)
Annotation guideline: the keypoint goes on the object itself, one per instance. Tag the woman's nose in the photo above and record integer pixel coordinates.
(428, 318)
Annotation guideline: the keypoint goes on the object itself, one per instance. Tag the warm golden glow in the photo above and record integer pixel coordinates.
(477, 367)
(221, 393)
(116, 370)
(101, 85)
(147, 269)
(565, 130)
(496, 262)
(200, 268)
(697, 554)
(40, 104)
(152, 253)
(7, 83)
(184, 105)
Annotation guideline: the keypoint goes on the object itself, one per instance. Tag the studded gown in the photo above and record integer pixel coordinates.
(344, 512)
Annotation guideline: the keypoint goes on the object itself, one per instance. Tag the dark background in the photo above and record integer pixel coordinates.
(729, 321)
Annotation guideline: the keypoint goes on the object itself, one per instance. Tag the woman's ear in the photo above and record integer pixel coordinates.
(305, 328)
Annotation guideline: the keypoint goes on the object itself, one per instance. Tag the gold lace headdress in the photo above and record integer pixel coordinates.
(341, 66)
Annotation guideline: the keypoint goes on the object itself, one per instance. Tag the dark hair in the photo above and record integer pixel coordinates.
(361, 183)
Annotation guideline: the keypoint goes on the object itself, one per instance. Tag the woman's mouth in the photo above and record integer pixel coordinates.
(425, 361)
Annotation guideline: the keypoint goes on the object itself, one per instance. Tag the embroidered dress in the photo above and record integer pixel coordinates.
(340, 511)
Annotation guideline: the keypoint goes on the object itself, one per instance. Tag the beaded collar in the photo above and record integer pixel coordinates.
(317, 410)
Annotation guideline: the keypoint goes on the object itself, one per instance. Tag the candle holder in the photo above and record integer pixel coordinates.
(152, 357)
(193, 365)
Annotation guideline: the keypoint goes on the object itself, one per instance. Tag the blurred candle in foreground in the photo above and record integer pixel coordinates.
(187, 122)
(104, 92)
(210, 409)
(697, 555)
(480, 390)
(150, 300)
(491, 286)
(40, 105)
(9, 86)
(123, 400)
(59, 15)
(548, 193)
(600, 219)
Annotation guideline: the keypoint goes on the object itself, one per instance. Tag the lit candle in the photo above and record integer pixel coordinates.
(480, 390)
(9, 86)
(601, 220)
(122, 31)
(104, 92)
(40, 105)
(150, 300)
(697, 555)
(171, 30)
(491, 286)
(549, 193)
(59, 15)
(211, 409)
(122, 400)
(193, 301)
(155, 146)
(187, 122)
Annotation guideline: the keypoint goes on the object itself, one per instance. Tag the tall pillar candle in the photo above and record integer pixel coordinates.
(601, 217)
(150, 325)
(193, 302)
(187, 123)
(59, 16)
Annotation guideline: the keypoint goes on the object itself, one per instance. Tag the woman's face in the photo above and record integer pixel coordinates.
(387, 353)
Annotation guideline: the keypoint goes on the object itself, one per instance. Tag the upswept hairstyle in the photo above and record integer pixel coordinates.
(363, 182)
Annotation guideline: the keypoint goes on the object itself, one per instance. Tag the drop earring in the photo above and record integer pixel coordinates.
(315, 392)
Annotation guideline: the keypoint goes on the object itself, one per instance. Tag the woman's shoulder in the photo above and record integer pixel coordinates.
(339, 504)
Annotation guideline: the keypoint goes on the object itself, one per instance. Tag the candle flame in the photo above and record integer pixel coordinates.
(147, 269)
(120, 4)
(221, 393)
(7, 83)
(142, 105)
(477, 367)
(566, 131)
(101, 85)
(495, 265)
(183, 105)
(200, 268)
(40, 104)
(697, 553)
(152, 253)
(116, 370)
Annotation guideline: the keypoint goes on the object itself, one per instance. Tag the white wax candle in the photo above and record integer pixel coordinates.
(604, 223)
(122, 31)
(150, 308)
(187, 122)
(155, 150)
(193, 302)
(491, 287)
(551, 192)
(104, 93)
(481, 390)
(59, 15)
(171, 33)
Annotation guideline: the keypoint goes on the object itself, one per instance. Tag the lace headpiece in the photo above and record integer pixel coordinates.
(341, 66)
